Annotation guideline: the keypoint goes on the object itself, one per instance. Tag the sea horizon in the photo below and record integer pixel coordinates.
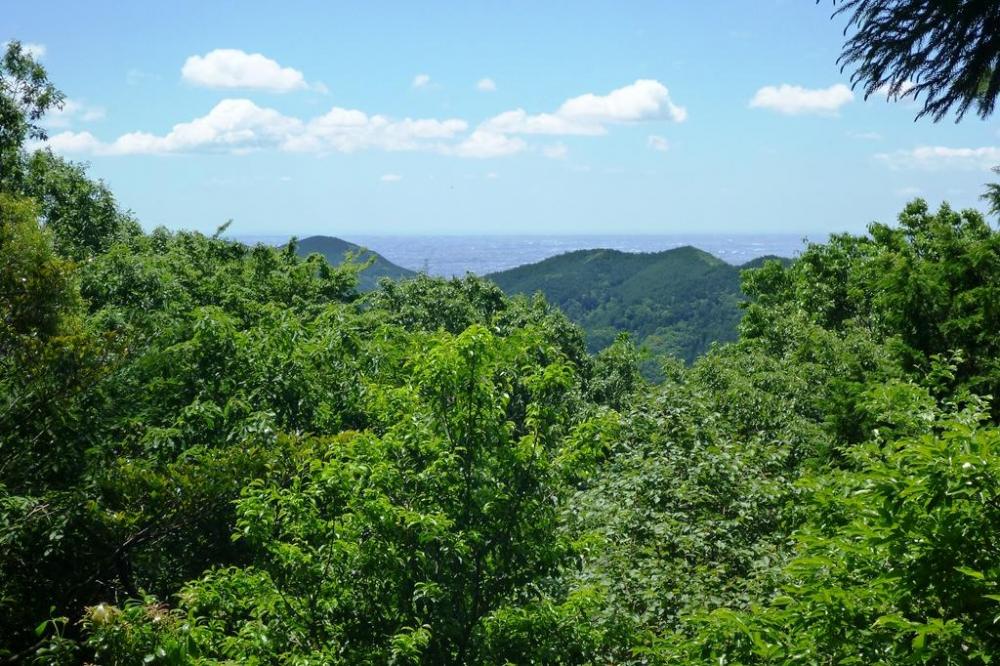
(448, 255)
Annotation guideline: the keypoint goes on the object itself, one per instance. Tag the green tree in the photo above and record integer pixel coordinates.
(25, 95)
(898, 563)
(82, 214)
(412, 542)
(949, 52)
(992, 195)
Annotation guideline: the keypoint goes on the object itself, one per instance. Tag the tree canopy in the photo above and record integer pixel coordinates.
(214, 453)
(948, 52)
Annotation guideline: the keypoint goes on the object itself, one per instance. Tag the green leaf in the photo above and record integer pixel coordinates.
(972, 573)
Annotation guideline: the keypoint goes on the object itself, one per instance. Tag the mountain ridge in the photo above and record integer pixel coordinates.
(334, 250)
(676, 301)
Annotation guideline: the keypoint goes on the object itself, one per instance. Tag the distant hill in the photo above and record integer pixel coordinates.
(678, 301)
(334, 250)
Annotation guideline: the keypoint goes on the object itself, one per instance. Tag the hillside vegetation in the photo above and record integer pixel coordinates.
(214, 454)
(336, 250)
(675, 302)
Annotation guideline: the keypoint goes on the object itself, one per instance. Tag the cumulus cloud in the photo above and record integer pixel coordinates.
(240, 126)
(233, 125)
(644, 100)
(519, 121)
(391, 178)
(421, 80)
(796, 100)
(486, 85)
(233, 68)
(483, 143)
(350, 130)
(658, 143)
(75, 142)
(942, 157)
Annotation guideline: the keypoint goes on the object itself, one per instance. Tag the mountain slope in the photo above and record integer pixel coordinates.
(678, 301)
(334, 250)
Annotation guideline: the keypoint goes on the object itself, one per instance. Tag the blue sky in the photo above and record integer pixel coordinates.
(488, 117)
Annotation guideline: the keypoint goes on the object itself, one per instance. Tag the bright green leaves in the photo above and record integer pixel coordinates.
(898, 565)
(38, 293)
(396, 545)
(82, 214)
(929, 286)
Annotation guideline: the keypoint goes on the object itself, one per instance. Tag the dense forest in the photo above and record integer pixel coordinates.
(212, 453)
(676, 302)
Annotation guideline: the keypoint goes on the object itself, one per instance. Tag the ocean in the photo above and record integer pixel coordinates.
(457, 255)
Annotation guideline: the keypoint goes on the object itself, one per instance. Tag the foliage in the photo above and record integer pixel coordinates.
(949, 52)
(897, 565)
(992, 194)
(82, 215)
(406, 544)
(678, 302)
(25, 95)
(212, 453)
(335, 251)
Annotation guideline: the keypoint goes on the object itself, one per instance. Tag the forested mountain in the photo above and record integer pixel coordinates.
(215, 454)
(334, 250)
(675, 302)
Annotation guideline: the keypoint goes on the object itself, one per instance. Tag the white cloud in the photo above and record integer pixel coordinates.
(35, 50)
(421, 80)
(240, 126)
(658, 143)
(483, 143)
(233, 68)
(492, 175)
(795, 100)
(899, 92)
(909, 191)
(73, 111)
(350, 130)
(74, 142)
(589, 115)
(519, 122)
(942, 157)
(391, 178)
(556, 151)
(486, 85)
(233, 125)
(644, 100)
